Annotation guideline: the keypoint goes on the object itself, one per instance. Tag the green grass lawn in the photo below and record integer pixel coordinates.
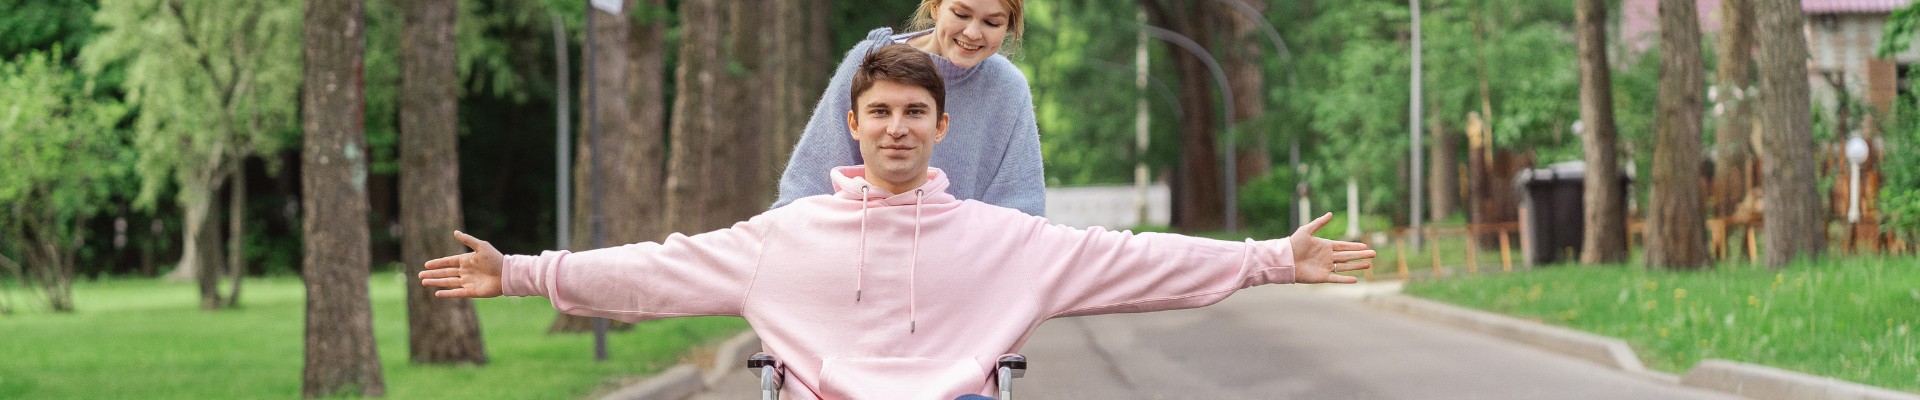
(142, 339)
(1853, 319)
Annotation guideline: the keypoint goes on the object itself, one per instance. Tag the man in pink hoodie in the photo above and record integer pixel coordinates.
(841, 286)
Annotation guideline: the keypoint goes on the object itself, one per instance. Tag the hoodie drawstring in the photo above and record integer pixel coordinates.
(914, 263)
(860, 276)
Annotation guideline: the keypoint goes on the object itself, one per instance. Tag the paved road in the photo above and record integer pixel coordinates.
(1293, 342)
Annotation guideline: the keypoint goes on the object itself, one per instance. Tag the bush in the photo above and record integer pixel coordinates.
(1266, 202)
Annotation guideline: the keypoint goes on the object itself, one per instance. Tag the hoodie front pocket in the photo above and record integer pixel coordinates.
(900, 378)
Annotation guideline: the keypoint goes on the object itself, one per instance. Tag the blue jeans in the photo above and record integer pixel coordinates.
(973, 397)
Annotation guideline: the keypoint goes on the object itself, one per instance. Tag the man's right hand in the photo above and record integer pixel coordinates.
(471, 275)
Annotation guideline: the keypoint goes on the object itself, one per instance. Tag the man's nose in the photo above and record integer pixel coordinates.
(895, 128)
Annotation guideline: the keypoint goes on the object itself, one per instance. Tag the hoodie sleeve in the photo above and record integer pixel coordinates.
(1096, 271)
(702, 275)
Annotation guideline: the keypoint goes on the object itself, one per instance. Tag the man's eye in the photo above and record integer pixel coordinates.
(916, 112)
(878, 112)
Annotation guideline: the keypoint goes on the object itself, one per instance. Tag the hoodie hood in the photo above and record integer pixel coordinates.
(850, 182)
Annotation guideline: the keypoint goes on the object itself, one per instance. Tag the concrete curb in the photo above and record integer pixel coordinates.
(676, 383)
(732, 356)
(1767, 383)
(1607, 351)
(685, 380)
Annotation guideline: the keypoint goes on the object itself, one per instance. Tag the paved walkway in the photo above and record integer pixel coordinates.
(1293, 342)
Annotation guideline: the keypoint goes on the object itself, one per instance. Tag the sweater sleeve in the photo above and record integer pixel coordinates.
(827, 141)
(1096, 271)
(701, 275)
(1020, 182)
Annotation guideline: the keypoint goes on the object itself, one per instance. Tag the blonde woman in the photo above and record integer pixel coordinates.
(992, 151)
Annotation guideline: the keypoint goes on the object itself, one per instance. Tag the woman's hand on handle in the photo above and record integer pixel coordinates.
(1315, 260)
(471, 275)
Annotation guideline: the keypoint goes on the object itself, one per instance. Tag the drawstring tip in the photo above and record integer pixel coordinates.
(910, 326)
(856, 296)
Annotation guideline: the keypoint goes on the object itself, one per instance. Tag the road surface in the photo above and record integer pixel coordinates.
(1292, 342)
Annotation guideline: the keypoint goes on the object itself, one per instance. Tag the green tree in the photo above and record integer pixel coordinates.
(28, 25)
(1900, 193)
(61, 153)
(213, 81)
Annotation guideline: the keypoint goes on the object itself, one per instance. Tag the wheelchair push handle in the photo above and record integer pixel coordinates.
(772, 374)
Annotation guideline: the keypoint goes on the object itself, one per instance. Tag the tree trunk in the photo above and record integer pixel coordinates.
(820, 53)
(793, 83)
(439, 331)
(748, 186)
(695, 172)
(1244, 72)
(647, 128)
(1676, 231)
(622, 150)
(1444, 180)
(203, 245)
(1480, 64)
(194, 220)
(1792, 217)
(1199, 205)
(1732, 140)
(340, 355)
(1605, 238)
(50, 256)
(236, 231)
(1489, 181)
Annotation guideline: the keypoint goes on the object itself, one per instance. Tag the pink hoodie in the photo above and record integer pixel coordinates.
(839, 286)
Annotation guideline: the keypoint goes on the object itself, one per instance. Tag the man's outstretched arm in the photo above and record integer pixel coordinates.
(471, 275)
(1101, 272)
(705, 274)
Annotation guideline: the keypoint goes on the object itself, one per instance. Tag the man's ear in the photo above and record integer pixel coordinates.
(940, 130)
(853, 126)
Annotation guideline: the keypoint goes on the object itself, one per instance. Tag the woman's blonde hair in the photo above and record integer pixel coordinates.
(1016, 21)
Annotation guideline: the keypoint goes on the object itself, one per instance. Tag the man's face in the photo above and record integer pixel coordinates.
(897, 126)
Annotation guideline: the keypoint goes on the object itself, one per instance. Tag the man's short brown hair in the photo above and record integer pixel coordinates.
(902, 64)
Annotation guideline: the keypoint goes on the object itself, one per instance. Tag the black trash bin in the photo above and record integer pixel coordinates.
(1552, 211)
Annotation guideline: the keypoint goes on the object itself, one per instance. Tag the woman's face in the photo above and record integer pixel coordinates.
(968, 31)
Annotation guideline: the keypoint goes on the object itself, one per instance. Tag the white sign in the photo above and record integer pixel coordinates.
(610, 6)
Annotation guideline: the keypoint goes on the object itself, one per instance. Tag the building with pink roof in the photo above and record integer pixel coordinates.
(1842, 36)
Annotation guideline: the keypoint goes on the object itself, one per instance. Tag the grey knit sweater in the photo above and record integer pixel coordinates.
(991, 152)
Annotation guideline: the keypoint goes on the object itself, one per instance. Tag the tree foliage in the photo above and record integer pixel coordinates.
(1079, 59)
(210, 79)
(62, 154)
(1354, 61)
(29, 25)
(1900, 162)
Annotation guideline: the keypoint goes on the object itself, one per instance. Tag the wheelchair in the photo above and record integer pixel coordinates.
(773, 375)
